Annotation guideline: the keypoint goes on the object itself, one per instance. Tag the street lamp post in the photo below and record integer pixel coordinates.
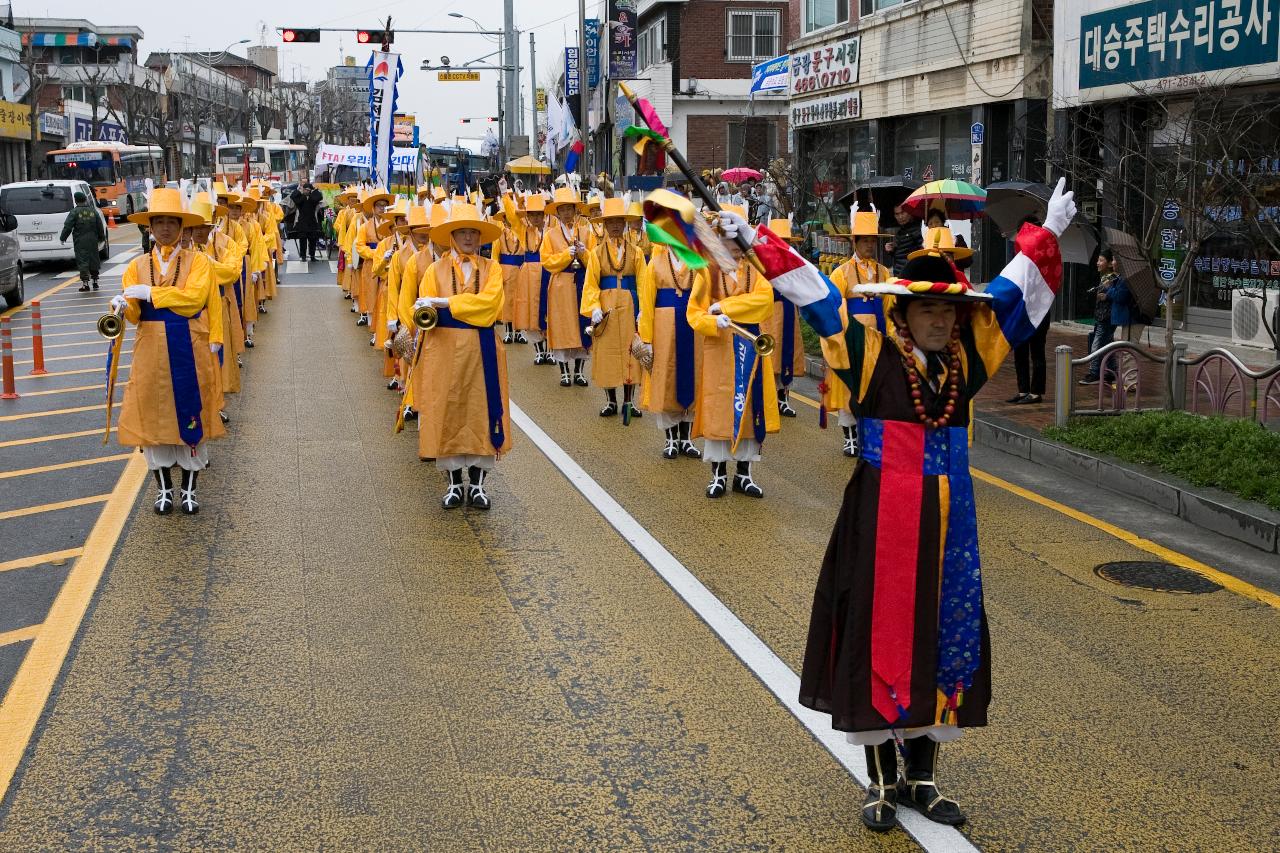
(509, 83)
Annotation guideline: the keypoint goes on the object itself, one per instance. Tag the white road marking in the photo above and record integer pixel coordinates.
(741, 640)
(330, 284)
(297, 267)
(333, 267)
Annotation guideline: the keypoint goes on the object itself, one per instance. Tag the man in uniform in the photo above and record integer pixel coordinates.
(84, 225)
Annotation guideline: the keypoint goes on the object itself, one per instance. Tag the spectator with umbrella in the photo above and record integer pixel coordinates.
(906, 239)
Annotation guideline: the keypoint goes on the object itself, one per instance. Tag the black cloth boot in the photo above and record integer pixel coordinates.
(84, 282)
(880, 808)
(578, 378)
(187, 500)
(743, 483)
(850, 441)
(164, 491)
(918, 789)
(566, 377)
(611, 406)
(509, 336)
(715, 488)
(672, 450)
(475, 495)
(687, 446)
(628, 396)
(784, 404)
(453, 495)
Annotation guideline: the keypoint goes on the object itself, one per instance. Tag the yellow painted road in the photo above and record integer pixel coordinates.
(325, 659)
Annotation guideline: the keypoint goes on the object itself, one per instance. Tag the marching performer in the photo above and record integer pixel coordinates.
(719, 301)
(784, 326)
(898, 647)
(527, 311)
(862, 268)
(396, 281)
(460, 376)
(422, 254)
(241, 210)
(669, 349)
(635, 229)
(342, 223)
(365, 237)
(610, 299)
(392, 240)
(169, 407)
(509, 251)
(225, 257)
(564, 251)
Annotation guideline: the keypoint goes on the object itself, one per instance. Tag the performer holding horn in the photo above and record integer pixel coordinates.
(610, 298)
(736, 408)
(364, 245)
(564, 250)
(169, 407)
(460, 377)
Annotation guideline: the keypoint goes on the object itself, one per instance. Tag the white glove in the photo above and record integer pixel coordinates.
(421, 302)
(723, 322)
(573, 250)
(596, 316)
(439, 302)
(141, 292)
(391, 326)
(731, 225)
(715, 308)
(215, 348)
(255, 277)
(386, 256)
(118, 302)
(1062, 209)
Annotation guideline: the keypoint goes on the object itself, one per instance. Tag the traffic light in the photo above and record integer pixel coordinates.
(375, 36)
(292, 35)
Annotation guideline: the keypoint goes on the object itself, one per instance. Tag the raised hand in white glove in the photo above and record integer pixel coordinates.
(723, 322)
(118, 302)
(1062, 209)
(731, 225)
(421, 302)
(715, 308)
(386, 256)
(138, 291)
(596, 316)
(255, 277)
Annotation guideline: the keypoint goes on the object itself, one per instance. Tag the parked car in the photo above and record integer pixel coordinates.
(40, 208)
(10, 261)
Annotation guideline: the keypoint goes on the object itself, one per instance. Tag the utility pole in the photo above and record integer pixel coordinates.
(511, 106)
(582, 86)
(533, 99)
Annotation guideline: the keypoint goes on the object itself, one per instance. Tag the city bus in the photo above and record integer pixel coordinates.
(275, 160)
(117, 172)
(455, 167)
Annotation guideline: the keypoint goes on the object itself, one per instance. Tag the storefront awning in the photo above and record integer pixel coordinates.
(75, 40)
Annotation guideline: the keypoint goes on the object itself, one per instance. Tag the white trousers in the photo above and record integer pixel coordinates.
(847, 418)
(938, 734)
(455, 463)
(566, 356)
(534, 337)
(666, 421)
(717, 450)
(168, 455)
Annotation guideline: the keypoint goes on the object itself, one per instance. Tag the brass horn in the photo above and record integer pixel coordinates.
(763, 343)
(111, 325)
(426, 317)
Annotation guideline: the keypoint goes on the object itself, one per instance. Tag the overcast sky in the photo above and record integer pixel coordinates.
(438, 106)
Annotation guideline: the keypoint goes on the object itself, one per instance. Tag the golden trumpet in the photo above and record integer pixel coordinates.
(111, 325)
(763, 343)
(426, 317)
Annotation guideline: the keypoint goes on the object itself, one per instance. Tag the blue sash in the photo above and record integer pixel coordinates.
(946, 454)
(625, 282)
(534, 257)
(744, 359)
(858, 305)
(667, 297)
(510, 260)
(222, 291)
(492, 384)
(788, 355)
(583, 322)
(182, 370)
(244, 274)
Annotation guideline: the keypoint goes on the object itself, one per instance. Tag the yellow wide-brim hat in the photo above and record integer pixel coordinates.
(419, 219)
(615, 208)
(218, 209)
(164, 201)
(782, 228)
(367, 203)
(865, 224)
(939, 241)
(536, 203)
(563, 196)
(465, 216)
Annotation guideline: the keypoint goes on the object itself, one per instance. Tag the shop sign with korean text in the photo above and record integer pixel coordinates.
(15, 120)
(846, 106)
(623, 17)
(772, 75)
(826, 66)
(572, 73)
(1159, 39)
(593, 52)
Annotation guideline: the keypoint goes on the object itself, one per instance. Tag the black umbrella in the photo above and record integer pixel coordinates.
(1011, 202)
(1132, 263)
(884, 191)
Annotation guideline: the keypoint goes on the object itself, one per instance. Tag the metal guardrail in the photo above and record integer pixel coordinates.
(1220, 383)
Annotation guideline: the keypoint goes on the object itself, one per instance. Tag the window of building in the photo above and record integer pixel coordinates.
(651, 46)
(824, 13)
(752, 143)
(870, 7)
(754, 36)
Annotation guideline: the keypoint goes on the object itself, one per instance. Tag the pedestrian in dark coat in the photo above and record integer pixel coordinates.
(307, 201)
(84, 225)
(906, 239)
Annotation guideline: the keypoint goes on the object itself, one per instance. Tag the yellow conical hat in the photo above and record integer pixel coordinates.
(164, 201)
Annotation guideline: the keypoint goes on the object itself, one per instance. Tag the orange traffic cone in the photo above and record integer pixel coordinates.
(111, 221)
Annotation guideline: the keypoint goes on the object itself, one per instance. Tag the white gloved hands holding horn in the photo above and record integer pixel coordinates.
(596, 316)
(1062, 209)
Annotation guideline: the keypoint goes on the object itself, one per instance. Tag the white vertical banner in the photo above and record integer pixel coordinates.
(384, 70)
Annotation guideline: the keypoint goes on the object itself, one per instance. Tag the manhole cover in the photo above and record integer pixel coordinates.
(1154, 575)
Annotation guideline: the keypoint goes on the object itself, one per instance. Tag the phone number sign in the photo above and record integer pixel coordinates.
(826, 66)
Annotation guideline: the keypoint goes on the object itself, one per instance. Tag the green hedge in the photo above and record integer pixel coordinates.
(1237, 456)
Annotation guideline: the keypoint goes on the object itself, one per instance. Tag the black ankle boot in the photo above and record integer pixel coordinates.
(784, 404)
(509, 336)
(475, 495)
(719, 476)
(850, 441)
(743, 483)
(918, 789)
(578, 378)
(453, 495)
(687, 446)
(611, 406)
(880, 808)
(672, 450)
(187, 500)
(566, 377)
(164, 491)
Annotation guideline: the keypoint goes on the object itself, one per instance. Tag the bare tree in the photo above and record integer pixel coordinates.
(36, 69)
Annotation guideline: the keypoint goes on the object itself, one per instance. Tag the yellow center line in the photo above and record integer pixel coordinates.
(64, 335)
(40, 559)
(71, 411)
(96, 387)
(95, 341)
(101, 370)
(62, 466)
(101, 355)
(8, 638)
(40, 297)
(31, 686)
(59, 315)
(69, 504)
(16, 442)
(83, 324)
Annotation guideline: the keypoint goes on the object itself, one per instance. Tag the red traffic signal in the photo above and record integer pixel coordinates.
(374, 36)
(291, 35)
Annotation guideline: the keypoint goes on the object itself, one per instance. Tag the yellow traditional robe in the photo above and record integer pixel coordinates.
(528, 296)
(563, 303)
(611, 361)
(365, 239)
(508, 250)
(848, 275)
(657, 326)
(224, 261)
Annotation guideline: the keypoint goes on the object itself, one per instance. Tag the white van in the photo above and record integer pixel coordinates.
(41, 207)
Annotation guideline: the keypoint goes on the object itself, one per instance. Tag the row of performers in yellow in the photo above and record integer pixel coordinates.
(195, 298)
(577, 280)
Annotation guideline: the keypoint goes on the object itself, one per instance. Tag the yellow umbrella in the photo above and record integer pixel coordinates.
(528, 165)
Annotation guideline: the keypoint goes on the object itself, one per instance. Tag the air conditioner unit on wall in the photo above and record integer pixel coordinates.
(1246, 318)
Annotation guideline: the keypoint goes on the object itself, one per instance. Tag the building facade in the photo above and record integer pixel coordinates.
(16, 126)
